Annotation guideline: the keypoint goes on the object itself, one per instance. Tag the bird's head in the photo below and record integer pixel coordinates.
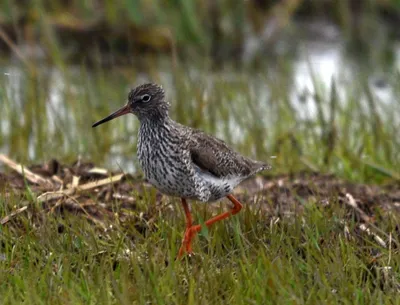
(146, 101)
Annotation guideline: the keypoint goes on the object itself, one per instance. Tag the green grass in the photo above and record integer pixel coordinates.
(251, 259)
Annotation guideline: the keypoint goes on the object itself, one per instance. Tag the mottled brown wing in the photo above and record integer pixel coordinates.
(214, 156)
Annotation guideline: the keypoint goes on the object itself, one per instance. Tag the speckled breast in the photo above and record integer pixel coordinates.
(168, 169)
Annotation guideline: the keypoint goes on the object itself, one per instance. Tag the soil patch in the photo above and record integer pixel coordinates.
(102, 196)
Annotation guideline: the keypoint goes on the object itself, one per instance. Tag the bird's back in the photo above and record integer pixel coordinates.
(215, 156)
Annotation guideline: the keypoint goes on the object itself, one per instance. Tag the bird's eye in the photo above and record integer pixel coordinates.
(146, 98)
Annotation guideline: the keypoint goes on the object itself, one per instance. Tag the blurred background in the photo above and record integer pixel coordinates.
(303, 84)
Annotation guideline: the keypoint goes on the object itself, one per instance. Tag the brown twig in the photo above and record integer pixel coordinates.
(68, 192)
(30, 176)
(14, 48)
(98, 171)
(352, 202)
(124, 198)
(16, 212)
(368, 222)
(377, 238)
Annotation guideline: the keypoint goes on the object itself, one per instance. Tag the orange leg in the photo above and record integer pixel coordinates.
(186, 245)
(191, 230)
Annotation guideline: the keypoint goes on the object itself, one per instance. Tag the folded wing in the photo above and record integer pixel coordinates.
(215, 157)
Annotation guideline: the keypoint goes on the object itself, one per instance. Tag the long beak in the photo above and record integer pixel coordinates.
(119, 112)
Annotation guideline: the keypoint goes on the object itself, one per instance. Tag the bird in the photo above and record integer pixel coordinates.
(182, 161)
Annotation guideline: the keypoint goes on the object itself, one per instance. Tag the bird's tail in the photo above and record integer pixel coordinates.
(261, 166)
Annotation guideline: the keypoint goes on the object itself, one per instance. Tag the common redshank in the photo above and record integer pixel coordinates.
(182, 161)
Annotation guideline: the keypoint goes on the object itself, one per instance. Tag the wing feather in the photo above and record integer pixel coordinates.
(214, 156)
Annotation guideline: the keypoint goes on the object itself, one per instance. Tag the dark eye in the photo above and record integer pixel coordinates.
(146, 98)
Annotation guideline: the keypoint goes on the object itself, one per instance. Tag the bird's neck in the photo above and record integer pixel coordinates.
(156, 124)
(157, 115)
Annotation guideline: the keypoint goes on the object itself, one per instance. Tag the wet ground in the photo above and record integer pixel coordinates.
(105, 197)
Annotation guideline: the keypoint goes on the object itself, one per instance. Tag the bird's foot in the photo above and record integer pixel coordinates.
(186, 246)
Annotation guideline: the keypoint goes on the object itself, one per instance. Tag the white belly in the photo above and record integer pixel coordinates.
(219, 187)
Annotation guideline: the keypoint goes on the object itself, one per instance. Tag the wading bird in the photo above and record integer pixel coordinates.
(182, 161)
